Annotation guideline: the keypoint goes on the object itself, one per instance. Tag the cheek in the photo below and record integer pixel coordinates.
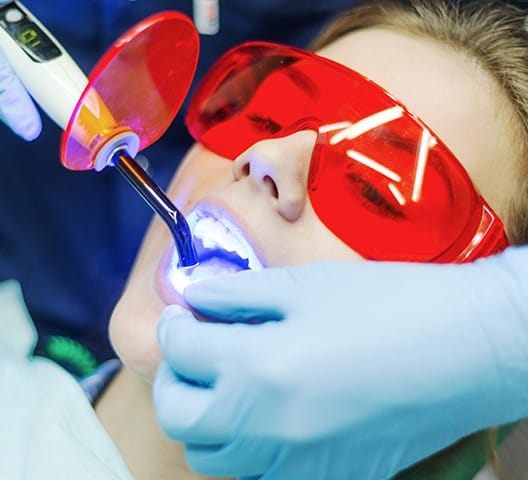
(305, 241)
(133, 329)
(200, 173)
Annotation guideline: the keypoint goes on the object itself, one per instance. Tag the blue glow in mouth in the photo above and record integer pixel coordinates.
(220, 255)
(221, 249)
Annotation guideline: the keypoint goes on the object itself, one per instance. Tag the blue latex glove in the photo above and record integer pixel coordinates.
(17, 110)
(369, 368)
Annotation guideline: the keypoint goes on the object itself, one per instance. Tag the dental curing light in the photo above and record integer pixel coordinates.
(127, 102)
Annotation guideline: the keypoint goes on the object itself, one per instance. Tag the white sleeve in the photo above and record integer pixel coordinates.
(48, 428)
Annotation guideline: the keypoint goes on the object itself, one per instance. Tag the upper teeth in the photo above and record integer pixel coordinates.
(215, 233)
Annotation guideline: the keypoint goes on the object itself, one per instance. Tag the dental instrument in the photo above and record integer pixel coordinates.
(149, 69)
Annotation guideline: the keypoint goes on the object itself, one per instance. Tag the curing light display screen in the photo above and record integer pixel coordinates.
(27, 34)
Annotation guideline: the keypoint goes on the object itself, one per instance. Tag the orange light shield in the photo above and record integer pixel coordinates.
(136, 88)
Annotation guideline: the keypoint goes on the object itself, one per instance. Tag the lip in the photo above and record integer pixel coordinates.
(170, 280)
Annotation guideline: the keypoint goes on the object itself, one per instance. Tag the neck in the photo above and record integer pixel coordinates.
(127, 413)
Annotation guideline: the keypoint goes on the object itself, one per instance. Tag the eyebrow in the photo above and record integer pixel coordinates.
(306, 84)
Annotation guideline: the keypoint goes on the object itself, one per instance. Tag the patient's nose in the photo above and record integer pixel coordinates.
(280, 167)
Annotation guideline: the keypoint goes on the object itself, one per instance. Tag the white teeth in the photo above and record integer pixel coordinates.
(203, 230)
(231, 244)
(213, 233)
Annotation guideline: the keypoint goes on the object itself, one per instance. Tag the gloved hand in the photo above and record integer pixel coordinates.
(360, 370)
(17, 110)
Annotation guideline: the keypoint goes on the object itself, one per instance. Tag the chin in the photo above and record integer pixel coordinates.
(133, 334)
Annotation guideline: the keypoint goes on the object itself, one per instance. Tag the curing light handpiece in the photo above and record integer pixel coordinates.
(160, 203)
(154, 77)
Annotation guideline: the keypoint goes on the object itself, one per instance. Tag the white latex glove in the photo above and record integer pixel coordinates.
(17, 110)
(360, 370)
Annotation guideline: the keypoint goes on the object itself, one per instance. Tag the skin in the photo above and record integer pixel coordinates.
(267, 199)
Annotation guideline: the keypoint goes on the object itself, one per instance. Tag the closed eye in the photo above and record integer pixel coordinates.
(372, 198)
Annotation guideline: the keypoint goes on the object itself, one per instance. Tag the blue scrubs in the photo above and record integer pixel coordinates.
(70, 237)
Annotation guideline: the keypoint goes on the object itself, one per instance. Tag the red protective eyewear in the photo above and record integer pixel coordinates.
(379, 178)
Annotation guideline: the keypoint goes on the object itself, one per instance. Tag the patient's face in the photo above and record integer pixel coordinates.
(261, 197)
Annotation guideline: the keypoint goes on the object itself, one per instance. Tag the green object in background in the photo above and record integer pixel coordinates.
(70, 354)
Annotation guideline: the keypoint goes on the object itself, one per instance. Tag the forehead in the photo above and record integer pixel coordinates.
(457, 99)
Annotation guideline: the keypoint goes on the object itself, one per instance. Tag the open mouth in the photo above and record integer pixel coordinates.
(220, 246)
(217, 239)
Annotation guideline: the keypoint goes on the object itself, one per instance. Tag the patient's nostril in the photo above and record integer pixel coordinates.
(246, 169)
(241, 169)
(270, 183)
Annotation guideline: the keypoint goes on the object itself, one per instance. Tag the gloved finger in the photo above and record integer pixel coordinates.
(197, 350)
(17, 110)
(180, 407)
(244, 296)
(243, 457)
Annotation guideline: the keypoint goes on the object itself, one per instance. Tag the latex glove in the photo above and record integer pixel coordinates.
(17, 110)
(368, 368)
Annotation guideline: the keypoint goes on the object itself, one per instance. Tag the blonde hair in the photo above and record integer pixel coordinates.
(493, 33)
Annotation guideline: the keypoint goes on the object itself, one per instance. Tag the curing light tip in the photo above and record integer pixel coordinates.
(161, 204)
